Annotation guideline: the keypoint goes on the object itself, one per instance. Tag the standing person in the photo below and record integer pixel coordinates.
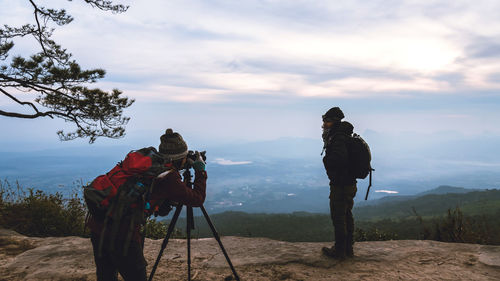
(126, 255)
(336, 135)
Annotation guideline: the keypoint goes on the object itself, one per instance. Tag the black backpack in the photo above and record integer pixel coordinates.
(360, 157)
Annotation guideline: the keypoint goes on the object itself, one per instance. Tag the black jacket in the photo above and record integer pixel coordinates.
(336, 160)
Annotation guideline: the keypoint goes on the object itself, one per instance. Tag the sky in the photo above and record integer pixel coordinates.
(232, 71)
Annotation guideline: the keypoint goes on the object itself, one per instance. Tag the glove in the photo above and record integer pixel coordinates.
(199, 164)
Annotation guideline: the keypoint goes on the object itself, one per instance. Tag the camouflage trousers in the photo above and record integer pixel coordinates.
(341, 203)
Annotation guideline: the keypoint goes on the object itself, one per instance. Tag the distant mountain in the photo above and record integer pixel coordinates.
(432, 204)
(444, 189)
(385, 199)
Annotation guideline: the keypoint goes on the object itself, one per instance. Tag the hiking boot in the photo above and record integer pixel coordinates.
(332, 253)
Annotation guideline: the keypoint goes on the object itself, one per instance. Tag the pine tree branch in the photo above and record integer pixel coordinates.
(57, 82)
(107, 5)
(18, 101)
(34, 86)
(30, 116)
(39, 33)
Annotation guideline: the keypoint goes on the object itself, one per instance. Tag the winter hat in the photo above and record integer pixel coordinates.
(172, 145)
(333, 114)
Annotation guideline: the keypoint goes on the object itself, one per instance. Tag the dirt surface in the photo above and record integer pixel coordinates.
(70, 258)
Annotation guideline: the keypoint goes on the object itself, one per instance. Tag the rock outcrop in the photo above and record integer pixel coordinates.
(70, 258)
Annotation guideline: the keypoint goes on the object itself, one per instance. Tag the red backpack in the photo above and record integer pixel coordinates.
(122, 194)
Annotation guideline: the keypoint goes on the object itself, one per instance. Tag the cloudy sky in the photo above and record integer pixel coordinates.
(258, 70)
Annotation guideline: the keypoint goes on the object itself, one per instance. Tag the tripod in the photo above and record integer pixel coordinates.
(190, 225)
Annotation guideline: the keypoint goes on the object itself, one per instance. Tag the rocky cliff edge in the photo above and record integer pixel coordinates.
(70, 258)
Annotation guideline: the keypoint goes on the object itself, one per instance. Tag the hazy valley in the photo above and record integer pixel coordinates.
(279, 176)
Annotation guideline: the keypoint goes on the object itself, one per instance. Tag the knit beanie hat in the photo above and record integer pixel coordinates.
(172, 145)
(333, 114)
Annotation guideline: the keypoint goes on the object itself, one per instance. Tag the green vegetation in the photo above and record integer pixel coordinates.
(155, 229)
(454, 226)
(475, 218)
(472, 217)
(36, 213)
(298, 226)
(485, 202)
(295, 227)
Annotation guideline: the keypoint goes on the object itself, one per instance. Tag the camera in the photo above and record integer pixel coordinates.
(192, 156)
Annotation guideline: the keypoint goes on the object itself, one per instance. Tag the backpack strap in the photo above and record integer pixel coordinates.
(370, 184)
(119, 206)
(129, 235)
(330, 139)
(103, 232)
(113, 191)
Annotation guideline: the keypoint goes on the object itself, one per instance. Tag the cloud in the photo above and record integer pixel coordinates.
(210, 51)
(224, 162)
(287, 60)
(484, 49)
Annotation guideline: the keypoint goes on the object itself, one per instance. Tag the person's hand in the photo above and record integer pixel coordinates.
(199, 164)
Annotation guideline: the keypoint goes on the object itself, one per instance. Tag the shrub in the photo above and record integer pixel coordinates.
(373, 234)
(158, 230)
(455, 227)
(155, 229)
(37, 213)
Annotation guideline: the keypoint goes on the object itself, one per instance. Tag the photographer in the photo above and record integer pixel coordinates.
(166, 187)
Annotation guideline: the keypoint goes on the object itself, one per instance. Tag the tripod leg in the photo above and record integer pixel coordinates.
(171, 228)
(189, 223)
(216, 235)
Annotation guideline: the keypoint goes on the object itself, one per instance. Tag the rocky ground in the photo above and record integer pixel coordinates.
(70, 258)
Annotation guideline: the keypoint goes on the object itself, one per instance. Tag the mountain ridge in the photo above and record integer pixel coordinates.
(440, 190)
